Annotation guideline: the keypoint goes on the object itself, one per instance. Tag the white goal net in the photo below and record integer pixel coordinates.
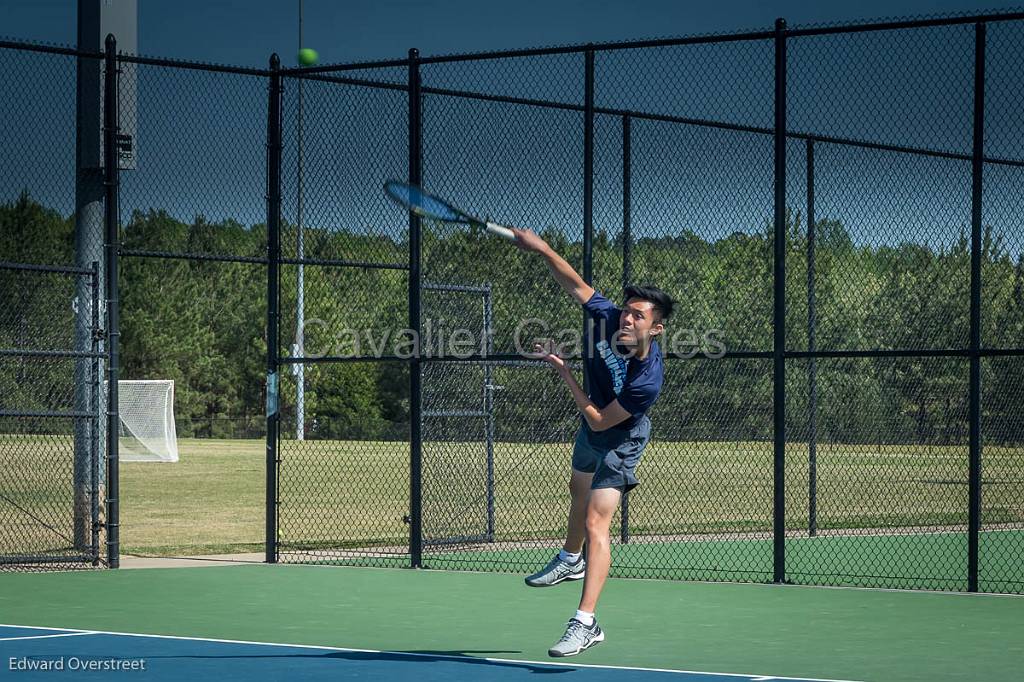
(146, 421)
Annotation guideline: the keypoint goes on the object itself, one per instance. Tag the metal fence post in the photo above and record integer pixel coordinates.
(812, 370)
(299, 368)
(977, 166)
(415, 366)
(627, 207)
(489, 408)
(111, 179)
(779, 308)
(588, 168)
(274, 147)
(627, 268)
(96, 331)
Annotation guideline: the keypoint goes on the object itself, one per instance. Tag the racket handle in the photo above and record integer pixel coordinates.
(500, 231)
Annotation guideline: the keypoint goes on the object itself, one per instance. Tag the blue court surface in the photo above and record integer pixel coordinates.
(40, 653)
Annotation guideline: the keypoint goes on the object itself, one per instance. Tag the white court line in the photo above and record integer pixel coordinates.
(423, 655)
(62, 634)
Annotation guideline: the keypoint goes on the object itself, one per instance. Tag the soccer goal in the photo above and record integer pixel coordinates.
(146, 421)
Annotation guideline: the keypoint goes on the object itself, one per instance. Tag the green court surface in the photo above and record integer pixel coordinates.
(830, 633)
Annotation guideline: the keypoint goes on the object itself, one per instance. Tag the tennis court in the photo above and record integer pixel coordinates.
(241, 621)
(266, 409)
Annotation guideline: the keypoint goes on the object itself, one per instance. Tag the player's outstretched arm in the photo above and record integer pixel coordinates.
(567, 278)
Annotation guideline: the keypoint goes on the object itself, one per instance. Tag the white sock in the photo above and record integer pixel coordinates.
(584, 617)
(566, 556)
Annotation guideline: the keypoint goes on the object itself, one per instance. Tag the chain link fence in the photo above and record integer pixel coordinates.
(193, 306)
(51, 351)
(832, 207)
(50, 418)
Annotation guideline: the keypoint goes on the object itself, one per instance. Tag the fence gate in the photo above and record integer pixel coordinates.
(50, 417)
(457, 417)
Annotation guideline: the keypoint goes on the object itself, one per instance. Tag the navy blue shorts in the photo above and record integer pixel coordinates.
(612, 455)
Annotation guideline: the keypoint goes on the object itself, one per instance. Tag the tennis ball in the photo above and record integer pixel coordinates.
(308, 56)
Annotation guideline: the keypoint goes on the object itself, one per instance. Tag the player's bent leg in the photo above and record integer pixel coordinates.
(600, 510)
(560, 569)
(579, 489)
(579, 635)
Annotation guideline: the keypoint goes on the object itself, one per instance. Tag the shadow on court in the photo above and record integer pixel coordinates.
(412, 656)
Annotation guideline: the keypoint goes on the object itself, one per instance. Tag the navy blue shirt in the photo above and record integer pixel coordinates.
(611, 373)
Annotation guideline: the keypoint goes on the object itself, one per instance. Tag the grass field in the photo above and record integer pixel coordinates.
(350, 494)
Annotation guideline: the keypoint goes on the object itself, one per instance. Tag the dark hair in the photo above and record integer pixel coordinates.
(659, 300)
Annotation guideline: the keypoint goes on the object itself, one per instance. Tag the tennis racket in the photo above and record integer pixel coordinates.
(425, 205)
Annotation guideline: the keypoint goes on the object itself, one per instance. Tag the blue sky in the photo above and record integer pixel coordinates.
(246, 32)
(203, 154)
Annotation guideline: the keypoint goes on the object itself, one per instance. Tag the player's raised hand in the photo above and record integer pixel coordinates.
(546, 350)
(528, 240)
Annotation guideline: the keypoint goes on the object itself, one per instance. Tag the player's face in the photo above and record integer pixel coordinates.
(638, 322)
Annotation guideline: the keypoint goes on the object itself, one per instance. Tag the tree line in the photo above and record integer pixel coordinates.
(202, 323)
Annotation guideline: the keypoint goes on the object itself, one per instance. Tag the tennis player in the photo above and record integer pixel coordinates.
(623, 368)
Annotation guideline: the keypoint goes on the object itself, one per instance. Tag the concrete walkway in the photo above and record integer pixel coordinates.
(129, 561)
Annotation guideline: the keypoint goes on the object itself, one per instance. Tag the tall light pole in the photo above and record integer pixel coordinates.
(96, 19)
(297, 349)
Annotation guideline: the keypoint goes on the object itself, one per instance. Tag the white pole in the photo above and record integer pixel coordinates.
(300, 369)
